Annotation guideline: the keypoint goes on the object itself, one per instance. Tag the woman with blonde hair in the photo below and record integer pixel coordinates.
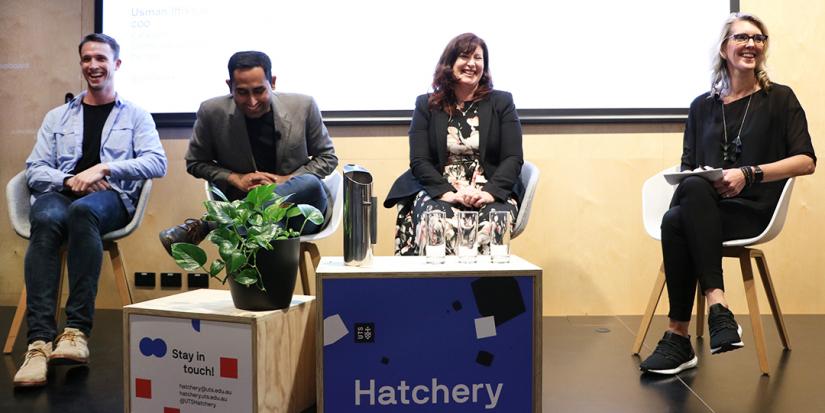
(756, 131)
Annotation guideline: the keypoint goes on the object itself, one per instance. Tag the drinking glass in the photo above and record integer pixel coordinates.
(435, 226)
(500, 236)
(467, 235)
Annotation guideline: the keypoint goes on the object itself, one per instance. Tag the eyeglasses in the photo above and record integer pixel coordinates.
(742, 38)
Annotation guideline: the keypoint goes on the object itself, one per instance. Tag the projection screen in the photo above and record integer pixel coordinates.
(365, 61)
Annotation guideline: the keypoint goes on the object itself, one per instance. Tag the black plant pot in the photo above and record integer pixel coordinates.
(279, 269)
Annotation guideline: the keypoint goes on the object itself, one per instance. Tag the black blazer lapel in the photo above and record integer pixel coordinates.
(485, 117)
(439, 131)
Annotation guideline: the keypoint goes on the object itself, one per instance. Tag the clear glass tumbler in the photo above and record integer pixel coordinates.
(435, 228)
(500, 236)
(467, 236)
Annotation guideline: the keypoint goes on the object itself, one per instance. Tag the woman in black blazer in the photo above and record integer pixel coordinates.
(465, 147)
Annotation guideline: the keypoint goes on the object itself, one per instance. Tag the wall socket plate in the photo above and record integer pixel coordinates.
(145, 279)
(170, 280)
(195, 280)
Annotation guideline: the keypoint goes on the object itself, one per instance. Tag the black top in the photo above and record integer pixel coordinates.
(94, 118)
(500, 151)
(775, 128)
(262, 137)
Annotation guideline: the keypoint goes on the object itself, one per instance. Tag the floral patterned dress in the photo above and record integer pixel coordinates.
(463, 169)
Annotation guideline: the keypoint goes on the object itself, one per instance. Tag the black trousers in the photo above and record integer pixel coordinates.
(693, 230)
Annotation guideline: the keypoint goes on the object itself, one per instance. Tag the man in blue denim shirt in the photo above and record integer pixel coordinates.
(85, 174)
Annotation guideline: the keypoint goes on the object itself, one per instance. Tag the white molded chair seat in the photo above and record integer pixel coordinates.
(530, 179)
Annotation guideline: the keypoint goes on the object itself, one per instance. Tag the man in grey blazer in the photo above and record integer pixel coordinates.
(255, 136)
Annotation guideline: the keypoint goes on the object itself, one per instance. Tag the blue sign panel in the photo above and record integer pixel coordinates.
(452, 344)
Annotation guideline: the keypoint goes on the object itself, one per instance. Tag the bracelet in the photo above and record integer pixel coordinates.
(747, 172)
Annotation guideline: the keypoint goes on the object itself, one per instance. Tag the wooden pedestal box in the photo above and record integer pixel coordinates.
(196, 352)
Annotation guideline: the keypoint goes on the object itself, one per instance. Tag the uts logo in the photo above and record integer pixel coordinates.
(150, 347)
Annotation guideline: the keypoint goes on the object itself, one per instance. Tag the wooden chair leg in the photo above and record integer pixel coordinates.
(770, 291)
(700, 311)
(653, 302)
(303, 267)
(119, 272)
(753, 309)
(315, 255)
(16, 322)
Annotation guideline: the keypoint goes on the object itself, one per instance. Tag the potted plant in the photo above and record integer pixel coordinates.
(258, 252)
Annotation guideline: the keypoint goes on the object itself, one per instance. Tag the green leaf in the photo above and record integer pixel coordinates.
(255, 220)
(224, 238)
(259, 195)
(188, 256)
(268, 231)
(312, 214)
(247, 277)
(235, 262)
(282, 199)
(275, 213)
(216, 267)
(293, 212)
(219, 211)
(226, 251)
(243, 217)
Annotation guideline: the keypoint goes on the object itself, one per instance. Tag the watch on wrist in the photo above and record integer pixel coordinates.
(757, 174)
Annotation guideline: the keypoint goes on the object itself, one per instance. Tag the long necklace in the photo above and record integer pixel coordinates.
(466, 110)
(731, 151)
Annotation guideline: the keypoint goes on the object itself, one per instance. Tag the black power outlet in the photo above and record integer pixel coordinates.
(197, 280)
(170, 280)
(144, 279)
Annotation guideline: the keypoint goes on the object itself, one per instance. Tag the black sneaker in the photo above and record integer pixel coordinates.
(725, 333)
(672, 355)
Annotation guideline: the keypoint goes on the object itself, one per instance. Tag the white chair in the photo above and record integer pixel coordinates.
(18, 198)
(530, 179)
(656, 196)
(335, 183)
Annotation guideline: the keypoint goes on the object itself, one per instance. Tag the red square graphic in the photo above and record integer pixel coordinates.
(143, 388)
(171, 410)
(229, 368)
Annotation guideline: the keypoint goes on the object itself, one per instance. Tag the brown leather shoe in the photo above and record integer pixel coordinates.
(192, 231)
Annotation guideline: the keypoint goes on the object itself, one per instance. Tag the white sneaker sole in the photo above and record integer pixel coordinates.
(732, 346)
(30, 383)
(682, 367)
(66, 361)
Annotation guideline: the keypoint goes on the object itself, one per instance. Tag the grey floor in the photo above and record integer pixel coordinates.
(587, 367)
(589, 370)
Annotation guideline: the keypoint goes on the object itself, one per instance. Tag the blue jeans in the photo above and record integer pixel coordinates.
(79, 222)
(306, 189)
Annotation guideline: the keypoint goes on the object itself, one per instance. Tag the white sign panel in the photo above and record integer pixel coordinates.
(191, 365)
